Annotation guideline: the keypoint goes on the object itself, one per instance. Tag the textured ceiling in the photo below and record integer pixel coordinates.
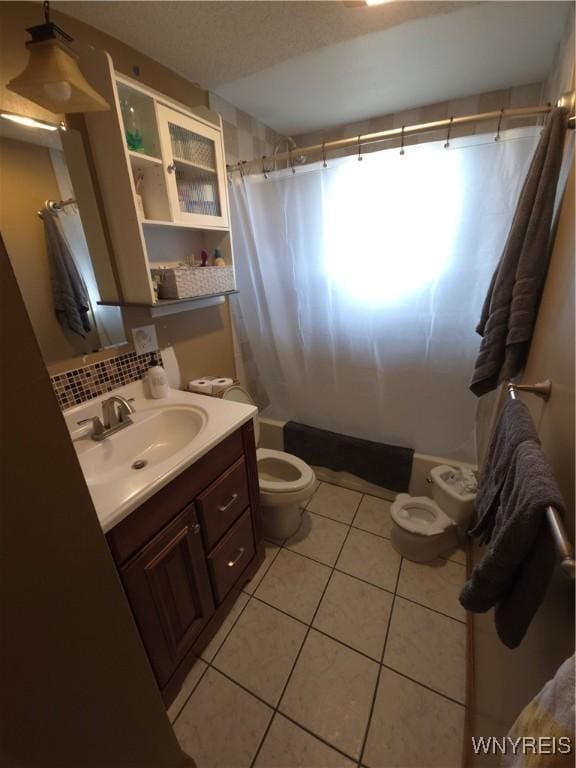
(300, 66)
(214, 42)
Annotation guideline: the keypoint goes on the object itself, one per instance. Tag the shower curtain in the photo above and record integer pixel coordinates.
(361, 285)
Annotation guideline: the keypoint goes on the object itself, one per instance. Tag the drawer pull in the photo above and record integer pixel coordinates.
(229, 503)
(240, 554)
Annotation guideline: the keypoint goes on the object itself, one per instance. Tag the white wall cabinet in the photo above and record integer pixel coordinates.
(162, 173)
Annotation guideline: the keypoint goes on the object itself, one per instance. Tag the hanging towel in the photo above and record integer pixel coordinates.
(517, 566)
(69, 292)
(511, 304)
(514, 426)
(549, 716)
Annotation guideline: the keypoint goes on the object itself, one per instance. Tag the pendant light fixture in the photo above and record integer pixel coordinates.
(52, 77)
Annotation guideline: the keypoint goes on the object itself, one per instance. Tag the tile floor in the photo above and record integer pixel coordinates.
(339, 653)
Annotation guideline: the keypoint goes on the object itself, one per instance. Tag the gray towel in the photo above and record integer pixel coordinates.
(69, 292)
(517, 566)
(511, 304)
(514, 426)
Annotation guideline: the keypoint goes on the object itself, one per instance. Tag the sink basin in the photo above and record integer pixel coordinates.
(155, 435)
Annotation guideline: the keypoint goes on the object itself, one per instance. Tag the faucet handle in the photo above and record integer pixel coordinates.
(97, 426)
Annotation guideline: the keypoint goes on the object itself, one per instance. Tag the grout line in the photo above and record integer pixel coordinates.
(261, 579)
(196, 684)
(289, 678)
(423, 685)
(209, 663)
(376, 687)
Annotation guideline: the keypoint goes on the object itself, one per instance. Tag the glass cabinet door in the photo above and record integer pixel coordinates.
(195, 168)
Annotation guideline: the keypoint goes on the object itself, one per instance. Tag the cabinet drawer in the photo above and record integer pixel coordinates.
(231, 556)
(223, 502)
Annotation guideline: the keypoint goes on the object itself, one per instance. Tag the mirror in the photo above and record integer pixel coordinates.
(53, 233)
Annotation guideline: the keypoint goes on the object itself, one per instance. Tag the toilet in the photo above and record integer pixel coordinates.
(424, 528)
(286, 482)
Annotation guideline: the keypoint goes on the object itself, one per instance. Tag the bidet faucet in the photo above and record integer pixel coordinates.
(113, 419)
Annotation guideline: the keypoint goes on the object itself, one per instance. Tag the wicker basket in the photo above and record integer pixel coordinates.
(186, 282)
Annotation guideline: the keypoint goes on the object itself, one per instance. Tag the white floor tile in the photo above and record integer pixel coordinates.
(319, 538)
(436, 585)
(288, 746)
(222, 725)
(187, 687)
(336, 502)
(413, 727)
(214, 645)
(355, 613)
(261, 649)
(428, 647)
(330, 692)
(294, 584)
(371, 558)
(374, 516)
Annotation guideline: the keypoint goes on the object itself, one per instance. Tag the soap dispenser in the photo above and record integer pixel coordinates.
(157, 379)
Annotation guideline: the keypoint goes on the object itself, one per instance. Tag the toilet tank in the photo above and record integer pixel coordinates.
(458, 505)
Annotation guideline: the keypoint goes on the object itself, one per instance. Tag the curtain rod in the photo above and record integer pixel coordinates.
(372, 138)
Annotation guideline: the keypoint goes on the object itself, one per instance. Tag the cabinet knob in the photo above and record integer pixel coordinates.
(196, 529)
(171, 168)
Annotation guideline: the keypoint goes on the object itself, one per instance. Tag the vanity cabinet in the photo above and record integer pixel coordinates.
(184, 555)
(162, 173)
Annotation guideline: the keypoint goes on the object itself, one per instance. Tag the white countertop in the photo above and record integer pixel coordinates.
(115, 498)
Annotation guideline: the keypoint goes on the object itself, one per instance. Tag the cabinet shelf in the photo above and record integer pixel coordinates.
(141, 160)
(166, 302)
(180, 225)
(197, 166)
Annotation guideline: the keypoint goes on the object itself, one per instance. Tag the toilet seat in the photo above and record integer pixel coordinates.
(280, 472)
(419, 514)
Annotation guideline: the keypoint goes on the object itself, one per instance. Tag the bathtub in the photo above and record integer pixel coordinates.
(272, 436)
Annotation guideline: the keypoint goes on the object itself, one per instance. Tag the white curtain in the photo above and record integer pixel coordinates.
(361, 284)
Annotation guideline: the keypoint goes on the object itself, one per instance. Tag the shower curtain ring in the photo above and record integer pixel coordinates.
(324, 163)
(241, 168)
(359, 149)
(447, 144)
(497, 137)
(402, 141)
(264, 172)
(291, 161)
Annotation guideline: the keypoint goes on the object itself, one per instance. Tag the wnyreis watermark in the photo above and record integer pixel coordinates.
(523, 745)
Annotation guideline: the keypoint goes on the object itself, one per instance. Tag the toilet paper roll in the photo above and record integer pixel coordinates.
(203, 386)
(219, 385)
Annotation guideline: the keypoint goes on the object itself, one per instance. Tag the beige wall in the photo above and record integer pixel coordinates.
(77, 688)
(202, 339)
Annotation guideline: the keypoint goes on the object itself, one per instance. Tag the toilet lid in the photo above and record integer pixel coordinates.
(280, 472)
(419, 514)
(238, 394)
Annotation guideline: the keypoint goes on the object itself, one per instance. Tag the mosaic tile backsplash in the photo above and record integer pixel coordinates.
(82, 384)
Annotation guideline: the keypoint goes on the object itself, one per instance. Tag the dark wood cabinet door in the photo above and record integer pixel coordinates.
(168, 588)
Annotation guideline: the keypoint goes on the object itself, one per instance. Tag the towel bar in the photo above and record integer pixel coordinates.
(567, 564)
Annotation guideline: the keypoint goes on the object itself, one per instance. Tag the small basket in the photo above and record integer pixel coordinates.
(187, 282)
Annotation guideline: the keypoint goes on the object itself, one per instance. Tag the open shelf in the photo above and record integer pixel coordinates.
(180, 225)
(166, 302)
(197, 166)
(141, 160)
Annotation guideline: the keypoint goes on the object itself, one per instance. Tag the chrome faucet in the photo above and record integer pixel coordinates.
(113, 419)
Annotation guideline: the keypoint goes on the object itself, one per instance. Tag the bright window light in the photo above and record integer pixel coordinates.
(390, 223)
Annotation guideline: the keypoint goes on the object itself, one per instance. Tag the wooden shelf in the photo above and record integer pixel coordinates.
(197, 166)
(180, 225)
(140, 160)
(166, 302)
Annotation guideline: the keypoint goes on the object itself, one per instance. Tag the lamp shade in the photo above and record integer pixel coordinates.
(52, 79)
